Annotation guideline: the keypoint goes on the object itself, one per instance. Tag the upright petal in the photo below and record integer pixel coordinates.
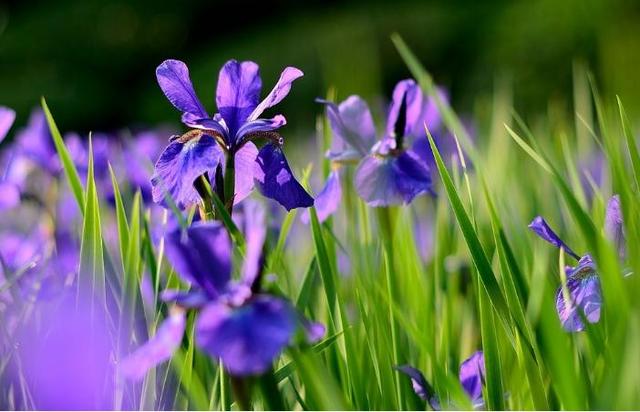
(584, 294)
(36, 144)
(7, 116)
(384, 181)
(279, 91)
(409, 92)
(157, 350)
(542, 229)
(275, 179)
(472, 375)
(173, 78)
(421, 387)
(180, 164)
(253, 128)
(246, 339)
(201, 255)
(328, 199)
(238, 91)
(352, 126)
(613, 223)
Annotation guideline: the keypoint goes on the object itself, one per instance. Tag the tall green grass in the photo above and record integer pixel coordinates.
(487, 282)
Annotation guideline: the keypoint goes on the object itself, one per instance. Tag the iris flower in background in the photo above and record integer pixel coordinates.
(226, 139)
(9, 193)
(472, 377)
(583, 283)
(390, 171)
(238, 323)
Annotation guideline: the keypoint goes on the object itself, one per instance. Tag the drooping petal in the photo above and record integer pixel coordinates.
(201, 255)
(9, 195)
(585, 297)
(245, 160)
(7, 117)
(275, 179)
(255, 232)
(279, 91)
(472, 375)
(384, 181)
(613, 223)
(173, 78)
(180, 164)
(238, 91)
(247, 339)
(352, 127)
(421, 386)
(328, 199)
(157, 350)
(542, 229)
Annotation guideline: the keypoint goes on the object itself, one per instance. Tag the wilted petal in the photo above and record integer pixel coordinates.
(421, 387)
(173, 78)
(180, 164)
(157, 350)
(384, 181)
(613, 223)
(201, 255)
(245, 160)
(275, 179)
(279, 91)
(472, 375)
(352, 127)
(238, 91)
(328, 200)
(246, 339)
(7, 116)
(542, 229)
(585, 295)
(9, 195)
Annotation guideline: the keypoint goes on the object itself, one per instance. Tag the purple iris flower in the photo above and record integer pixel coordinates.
(244, 327)
(582, 287)
(390, 171)
(613, 227)
(227, 136)
(472, 378)
(36, 144)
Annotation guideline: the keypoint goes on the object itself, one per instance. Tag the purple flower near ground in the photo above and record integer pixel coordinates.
(390, 171)
(36, 144)
(227, 136)
(472, 378)
(244, 327)
(581, 296)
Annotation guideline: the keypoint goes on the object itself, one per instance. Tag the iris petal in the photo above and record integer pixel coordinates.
(275, 179)
(7, 116)
(352, 127)
(245, 160)
(238, 91)
(157, 350)
(279, 91)
(384, 181)
(542, 229)
(472, 375)
(9, 195)
(180, 164)
(421, 387)
(173, 78)
(613, 223)
(246, 339)
(201, 255)
(328, 200)
(585, 295)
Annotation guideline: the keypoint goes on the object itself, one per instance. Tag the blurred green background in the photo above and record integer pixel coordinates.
(95, 60)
